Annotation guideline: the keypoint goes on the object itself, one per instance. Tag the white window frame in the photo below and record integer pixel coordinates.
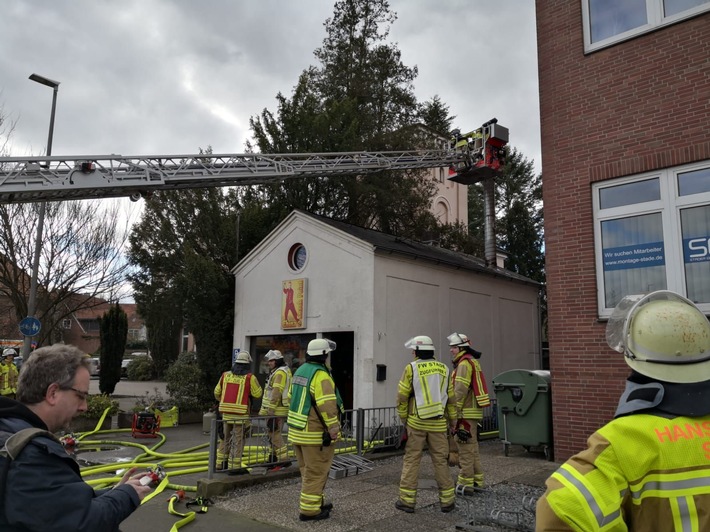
(669, 206)
(654, 15)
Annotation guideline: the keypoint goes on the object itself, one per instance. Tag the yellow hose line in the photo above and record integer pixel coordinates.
(163, 484)
(186, 517)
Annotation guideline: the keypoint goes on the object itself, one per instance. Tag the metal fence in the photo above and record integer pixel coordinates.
(364, 430)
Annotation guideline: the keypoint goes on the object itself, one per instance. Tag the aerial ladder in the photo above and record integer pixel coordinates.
(471, 157)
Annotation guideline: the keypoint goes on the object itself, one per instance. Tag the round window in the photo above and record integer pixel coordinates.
(297, 257)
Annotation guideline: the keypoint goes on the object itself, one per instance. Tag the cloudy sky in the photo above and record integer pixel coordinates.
(143, 77)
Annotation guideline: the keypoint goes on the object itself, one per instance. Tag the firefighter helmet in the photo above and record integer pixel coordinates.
(663, 336)
(9, 352)
(420, 343)
(320, 346)
(273, 354)
(243, 357)
(458, 339)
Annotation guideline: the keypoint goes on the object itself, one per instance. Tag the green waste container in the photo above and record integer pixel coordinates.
(525, 409)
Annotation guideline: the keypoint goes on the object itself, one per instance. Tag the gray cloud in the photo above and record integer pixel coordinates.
(170, 76)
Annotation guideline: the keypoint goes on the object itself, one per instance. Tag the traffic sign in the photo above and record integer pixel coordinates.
(30, 326)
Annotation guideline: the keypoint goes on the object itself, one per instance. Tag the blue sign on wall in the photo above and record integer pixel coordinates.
(30, 326)
(636, 256)
(696, 249)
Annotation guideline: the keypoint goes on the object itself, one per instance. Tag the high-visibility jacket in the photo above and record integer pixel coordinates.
(12, 374)
(468, 388)
(639, 472)
(314, 406)
(422, 395)
(4, 379)
(234, 393)
(276, 392)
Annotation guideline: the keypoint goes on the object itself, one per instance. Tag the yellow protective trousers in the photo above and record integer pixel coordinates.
(439, 451)
(314, 463)
(471, 471)
(232, 446)
(278, 447)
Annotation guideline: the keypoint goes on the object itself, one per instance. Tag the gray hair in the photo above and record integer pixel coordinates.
(47, 365)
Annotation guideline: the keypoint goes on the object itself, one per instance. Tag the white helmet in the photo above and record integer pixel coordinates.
(273, 354)
(9, 352)
(420, 343)
(243, 357)
(458, 339)
(320, 346)
(663, 336)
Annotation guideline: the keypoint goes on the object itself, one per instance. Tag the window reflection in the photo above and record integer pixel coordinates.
(694, 182)
(633, 256)
(695, 230)
(673, 7)
(630, 193)
(612, 17)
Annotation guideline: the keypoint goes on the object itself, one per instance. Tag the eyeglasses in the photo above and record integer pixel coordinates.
(81, 395)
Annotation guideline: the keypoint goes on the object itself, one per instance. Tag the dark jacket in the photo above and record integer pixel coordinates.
(44, 489)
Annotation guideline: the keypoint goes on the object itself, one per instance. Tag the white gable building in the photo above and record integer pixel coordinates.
(370, 292)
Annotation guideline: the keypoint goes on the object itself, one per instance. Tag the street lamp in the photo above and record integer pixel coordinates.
(27, 343)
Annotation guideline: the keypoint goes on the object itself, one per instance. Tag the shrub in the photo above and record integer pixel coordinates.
(96, 404)
(184, 385)
(141, 369)
(151, 402)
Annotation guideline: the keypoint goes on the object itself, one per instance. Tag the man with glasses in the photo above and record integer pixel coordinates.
(43, 488)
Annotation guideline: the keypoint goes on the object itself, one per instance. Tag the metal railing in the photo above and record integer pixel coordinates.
(363, 430)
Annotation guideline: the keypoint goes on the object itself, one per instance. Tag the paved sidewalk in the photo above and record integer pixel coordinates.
(364, 502)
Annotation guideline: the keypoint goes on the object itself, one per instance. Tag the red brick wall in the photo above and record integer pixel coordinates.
(630, 108)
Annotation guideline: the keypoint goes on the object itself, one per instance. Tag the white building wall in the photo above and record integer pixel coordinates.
(339, 290)
(413, 297)
(385, 300)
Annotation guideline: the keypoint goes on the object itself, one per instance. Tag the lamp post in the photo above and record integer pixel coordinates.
(27, 343)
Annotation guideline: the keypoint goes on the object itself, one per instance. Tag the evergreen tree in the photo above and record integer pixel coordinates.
(112, 336)
(435, 115)
(360, 97)
(184, 248)
(519, 216)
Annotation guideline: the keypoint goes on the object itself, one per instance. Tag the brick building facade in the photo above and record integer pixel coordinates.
(625, 113)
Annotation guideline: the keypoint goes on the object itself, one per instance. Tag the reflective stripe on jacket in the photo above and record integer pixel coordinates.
(276, 392)
(234, 393)
(468, 388)
(312, 382)
(422, 395)
(639, 472)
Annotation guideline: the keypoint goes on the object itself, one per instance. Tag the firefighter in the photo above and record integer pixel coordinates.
(235, 392)
(8, 373)
(275, 403)
(647, 469)
(314, 427)
(422, 405)
(469, 393)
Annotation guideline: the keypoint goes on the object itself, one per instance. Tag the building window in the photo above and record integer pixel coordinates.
(297, 257)
(90, 325)
(607, 22)
(652, 232)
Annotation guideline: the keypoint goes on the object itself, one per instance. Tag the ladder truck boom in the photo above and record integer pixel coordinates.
(471, 157)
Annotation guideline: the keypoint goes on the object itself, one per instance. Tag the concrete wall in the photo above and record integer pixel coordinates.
(414, 297)
(633, 107)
